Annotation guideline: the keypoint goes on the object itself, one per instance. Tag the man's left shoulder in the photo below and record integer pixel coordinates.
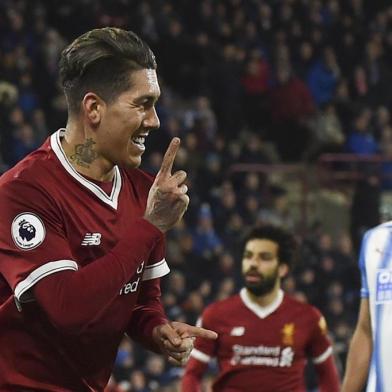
(224, 309)
(304, 308)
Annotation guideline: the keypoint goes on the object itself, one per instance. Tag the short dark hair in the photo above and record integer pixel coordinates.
(101, 61)
(287, 244)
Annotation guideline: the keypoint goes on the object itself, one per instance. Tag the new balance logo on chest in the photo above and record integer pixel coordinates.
(237, 331)
(92, 239)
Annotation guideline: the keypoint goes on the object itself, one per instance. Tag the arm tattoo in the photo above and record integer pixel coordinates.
(84, 153)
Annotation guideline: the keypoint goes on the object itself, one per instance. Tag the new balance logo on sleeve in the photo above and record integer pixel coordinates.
(91, 239)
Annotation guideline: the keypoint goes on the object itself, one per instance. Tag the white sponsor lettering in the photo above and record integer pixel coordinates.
(262, 356)
(140, 269)
(286, 359)
(384, 286)
(385, 276)
(131, 287)
(256, 350)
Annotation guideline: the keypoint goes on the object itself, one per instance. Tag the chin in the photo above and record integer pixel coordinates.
(134, 164)
(132, 159)
(260, 289)
(130, 163)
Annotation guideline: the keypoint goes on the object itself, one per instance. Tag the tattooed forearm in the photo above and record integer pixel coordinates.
(84, 153)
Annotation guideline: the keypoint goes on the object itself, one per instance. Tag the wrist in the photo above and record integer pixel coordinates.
(145, 221)
(154, 329)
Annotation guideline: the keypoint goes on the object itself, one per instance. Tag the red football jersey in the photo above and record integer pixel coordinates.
(262, 349)
(54, 219)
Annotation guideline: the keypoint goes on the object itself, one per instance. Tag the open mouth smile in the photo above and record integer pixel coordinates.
(139, 141)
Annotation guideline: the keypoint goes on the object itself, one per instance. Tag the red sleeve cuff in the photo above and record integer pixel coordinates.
(143, 334)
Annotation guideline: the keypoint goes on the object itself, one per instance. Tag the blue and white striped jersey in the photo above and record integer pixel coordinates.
(376, 272)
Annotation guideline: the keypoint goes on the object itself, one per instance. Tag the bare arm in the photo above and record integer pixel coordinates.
(360, 352)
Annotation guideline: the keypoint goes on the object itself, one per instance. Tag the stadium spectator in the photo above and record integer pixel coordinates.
(256, 80)
(24, 142)
(265, 344)
(205, 240)
(291, 106)
(361, 140)
(304, 59)
(326, 133)
(323, 77)
(82, 228)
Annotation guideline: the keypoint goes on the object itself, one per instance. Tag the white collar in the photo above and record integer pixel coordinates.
(111, 200)
(261, 311)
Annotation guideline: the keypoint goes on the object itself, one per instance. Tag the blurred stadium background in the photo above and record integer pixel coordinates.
(284, 110)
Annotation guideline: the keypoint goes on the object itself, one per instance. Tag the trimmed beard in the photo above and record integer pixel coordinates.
(265, 286)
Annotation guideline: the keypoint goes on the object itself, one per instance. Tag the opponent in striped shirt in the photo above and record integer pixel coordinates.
(370, 353)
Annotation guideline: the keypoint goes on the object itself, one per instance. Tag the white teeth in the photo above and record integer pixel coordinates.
(138, 140)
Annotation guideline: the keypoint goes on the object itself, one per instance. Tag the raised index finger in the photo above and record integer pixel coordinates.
(170, 155)
(197, 332)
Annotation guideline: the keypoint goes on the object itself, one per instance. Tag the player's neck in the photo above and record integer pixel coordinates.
(266, 299)
(83, 156)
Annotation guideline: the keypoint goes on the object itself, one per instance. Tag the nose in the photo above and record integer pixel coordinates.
(253, 262)
(151, 120)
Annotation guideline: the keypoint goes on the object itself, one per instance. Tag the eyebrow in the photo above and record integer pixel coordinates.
(149, 97)
(258, 253)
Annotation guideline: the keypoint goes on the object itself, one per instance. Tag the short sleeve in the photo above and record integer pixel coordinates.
(362, 267)
(319, 346)
(157, 266)
(32, 241)
(205, 349)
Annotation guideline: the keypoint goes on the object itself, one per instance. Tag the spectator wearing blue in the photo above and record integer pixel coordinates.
(206, 242)
(323, 77)
(361, 140)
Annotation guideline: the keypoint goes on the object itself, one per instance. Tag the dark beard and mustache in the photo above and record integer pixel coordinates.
(265, 286)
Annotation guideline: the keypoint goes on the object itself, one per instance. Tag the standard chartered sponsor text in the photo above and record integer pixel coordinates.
(262, 356)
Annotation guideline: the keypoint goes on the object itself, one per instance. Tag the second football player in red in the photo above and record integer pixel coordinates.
(265, 336)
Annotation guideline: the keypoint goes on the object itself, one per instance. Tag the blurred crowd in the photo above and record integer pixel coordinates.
(243, 81)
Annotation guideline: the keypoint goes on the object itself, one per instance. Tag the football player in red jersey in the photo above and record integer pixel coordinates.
(264, 336)
(82, 228)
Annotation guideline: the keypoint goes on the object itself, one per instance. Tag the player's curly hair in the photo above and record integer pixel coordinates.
(101, 61)
(287, 244)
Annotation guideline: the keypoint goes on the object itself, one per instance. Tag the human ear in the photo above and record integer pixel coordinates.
(93, 107)
(283, 270)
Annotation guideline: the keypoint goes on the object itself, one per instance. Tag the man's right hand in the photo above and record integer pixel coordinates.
(167, 200)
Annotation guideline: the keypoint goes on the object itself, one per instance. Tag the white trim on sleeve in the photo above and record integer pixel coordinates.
(200, 356)
(156, 270)
(39, 273)
(321, 358)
